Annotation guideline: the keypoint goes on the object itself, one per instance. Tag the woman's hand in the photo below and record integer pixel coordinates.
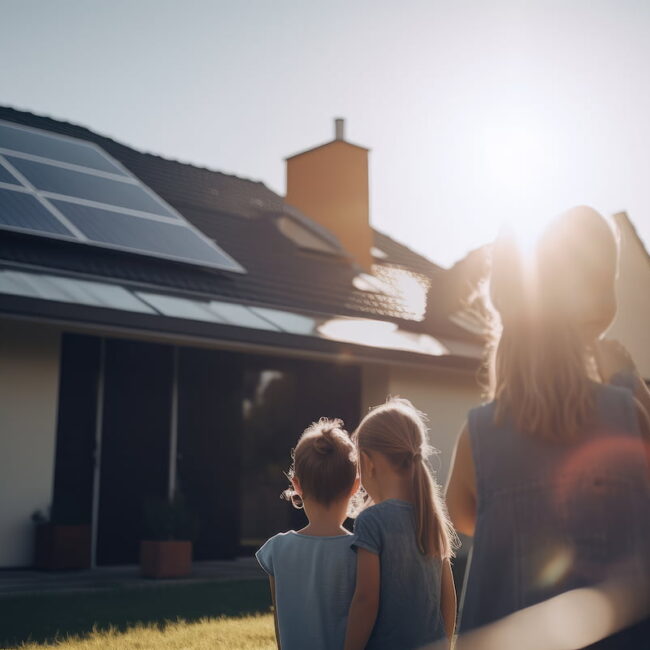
(612, 357)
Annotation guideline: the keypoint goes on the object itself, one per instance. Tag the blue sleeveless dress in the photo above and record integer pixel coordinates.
(555, 516)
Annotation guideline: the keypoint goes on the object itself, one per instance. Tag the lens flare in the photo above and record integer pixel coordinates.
(556, 567)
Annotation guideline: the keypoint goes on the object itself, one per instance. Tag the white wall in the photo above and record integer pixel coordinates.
(29, 386)
(374, 386)
(632, 323)
(444, 395)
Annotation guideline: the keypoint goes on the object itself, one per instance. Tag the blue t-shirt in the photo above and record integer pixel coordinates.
(409, 613)
(314, 584)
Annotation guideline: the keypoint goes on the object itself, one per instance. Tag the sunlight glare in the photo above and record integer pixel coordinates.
(516, 157)
(517, 162)
(527, 229)
(381, 334)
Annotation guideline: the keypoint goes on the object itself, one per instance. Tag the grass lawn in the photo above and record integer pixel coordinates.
(193, 616)
(231, 633)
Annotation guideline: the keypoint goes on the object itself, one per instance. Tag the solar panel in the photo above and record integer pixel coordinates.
(125, 231)
(21, 211)
(81, 292)
(46, 145)
(64, 187)
(58, 180)
(7, 177)
(288, 321)
(240, 315)
(181, 307)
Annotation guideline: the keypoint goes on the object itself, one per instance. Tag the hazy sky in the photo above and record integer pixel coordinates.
(474, 111)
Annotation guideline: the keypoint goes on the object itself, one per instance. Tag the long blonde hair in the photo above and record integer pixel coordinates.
(540, 359)
(397, 430)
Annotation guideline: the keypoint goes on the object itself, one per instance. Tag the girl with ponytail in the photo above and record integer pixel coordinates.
(404, 596)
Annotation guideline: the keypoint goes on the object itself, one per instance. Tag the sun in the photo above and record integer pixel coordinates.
(518, 164)
(514, 155)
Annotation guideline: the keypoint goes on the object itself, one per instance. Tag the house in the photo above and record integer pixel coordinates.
(632, 323)
(165, 327)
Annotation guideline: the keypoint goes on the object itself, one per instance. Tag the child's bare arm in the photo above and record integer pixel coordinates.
(275, 612)
(365, 602)
(448, 599)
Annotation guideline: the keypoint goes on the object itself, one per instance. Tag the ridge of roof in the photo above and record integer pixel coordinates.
(406, 250)
(624, 216)
(326, 144)
(215, 203)
(94, 134)
(85, 132)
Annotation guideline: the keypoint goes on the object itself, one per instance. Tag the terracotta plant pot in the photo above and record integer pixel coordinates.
(59, 546)
(166, 559)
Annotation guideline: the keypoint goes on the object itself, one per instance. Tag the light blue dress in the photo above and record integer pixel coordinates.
(555, 516)
(314, 584)
(409, 613)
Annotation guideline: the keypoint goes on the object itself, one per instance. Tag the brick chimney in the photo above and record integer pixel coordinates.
(329, 184)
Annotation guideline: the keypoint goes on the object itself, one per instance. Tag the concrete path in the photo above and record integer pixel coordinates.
(14, 582)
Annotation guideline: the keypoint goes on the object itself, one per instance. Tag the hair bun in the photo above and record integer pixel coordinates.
(326, 442)
(324, 445)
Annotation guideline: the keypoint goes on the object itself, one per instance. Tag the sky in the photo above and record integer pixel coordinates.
(474, 112)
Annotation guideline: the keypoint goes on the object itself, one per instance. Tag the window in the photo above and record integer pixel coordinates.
(305, 238)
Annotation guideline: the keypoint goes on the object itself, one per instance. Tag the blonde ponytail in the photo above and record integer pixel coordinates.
(433, 528)
(397, 430)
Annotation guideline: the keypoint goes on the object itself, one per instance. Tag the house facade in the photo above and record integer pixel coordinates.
(632, 323)
(169, 328)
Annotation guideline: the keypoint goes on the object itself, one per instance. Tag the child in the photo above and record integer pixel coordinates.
(312, 571)
(405, 596)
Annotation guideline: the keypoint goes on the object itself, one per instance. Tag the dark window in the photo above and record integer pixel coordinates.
(282, 398)
(135, 444)
(238, 418)
(75, 437)
(209, 447)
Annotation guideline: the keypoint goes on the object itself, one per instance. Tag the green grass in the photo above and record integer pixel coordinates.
(51, 617)
(227, 633)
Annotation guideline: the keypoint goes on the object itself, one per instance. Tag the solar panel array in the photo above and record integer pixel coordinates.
(62, 187)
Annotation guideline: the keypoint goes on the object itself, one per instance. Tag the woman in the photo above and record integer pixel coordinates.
(551, 477)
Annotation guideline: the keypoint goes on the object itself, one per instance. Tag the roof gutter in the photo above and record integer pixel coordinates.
(176, 331)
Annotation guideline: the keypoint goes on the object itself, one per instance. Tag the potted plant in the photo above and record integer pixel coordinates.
(60, 544)
(169, 530)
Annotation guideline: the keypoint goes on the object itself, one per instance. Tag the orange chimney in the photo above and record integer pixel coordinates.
(329, 184)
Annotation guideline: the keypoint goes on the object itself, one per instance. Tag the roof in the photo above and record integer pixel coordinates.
(622, 219)
(327, 144)
(241, 216)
